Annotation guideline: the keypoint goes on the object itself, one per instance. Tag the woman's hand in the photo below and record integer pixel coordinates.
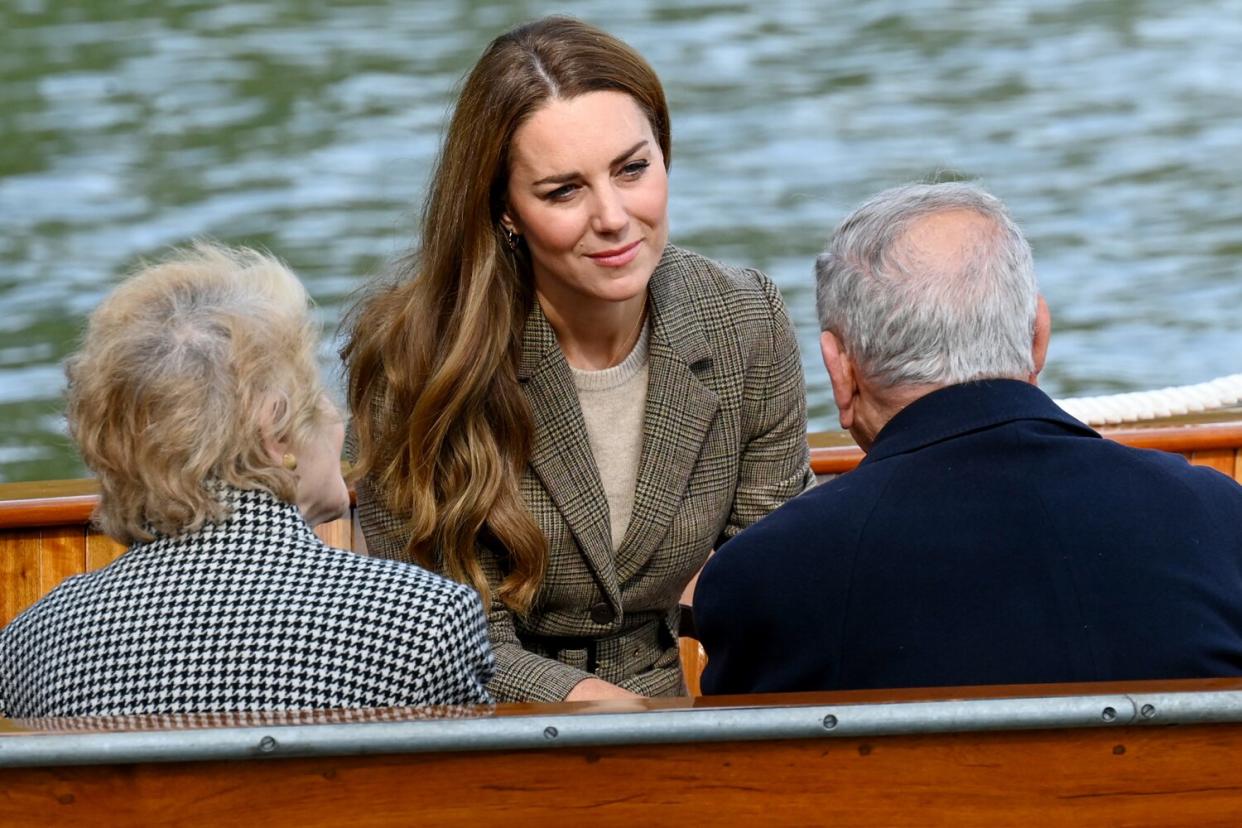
(592, 688)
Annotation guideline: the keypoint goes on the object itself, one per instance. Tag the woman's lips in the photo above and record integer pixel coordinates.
(618, 256)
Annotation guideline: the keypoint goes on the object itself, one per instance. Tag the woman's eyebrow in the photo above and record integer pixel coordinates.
(565, 178)
(628, 153)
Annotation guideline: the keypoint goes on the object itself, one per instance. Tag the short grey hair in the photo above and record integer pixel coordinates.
(181, 366)
(909, 321)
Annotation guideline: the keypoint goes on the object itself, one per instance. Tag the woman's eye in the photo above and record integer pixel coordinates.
(634, 169)
(561, 193)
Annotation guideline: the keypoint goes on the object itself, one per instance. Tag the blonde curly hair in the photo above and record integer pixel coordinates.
(184, 370)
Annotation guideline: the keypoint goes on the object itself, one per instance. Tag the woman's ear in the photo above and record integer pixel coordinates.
(272, 412)
(508, 224)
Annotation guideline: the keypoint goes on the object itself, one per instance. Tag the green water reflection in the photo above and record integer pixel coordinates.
(1111, 128)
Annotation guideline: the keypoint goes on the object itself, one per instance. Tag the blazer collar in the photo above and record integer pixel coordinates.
(674, 317)
(960, 409)
(560, 453)
(681, 407)
(539, 344)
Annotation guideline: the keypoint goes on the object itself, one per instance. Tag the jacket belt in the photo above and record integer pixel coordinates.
(623, 653)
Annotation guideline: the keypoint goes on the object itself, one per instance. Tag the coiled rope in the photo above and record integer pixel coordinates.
(1149, 405)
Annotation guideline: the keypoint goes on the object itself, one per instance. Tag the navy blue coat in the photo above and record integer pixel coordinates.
(987, 538)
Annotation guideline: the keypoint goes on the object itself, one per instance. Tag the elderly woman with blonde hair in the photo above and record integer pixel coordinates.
(196, 400)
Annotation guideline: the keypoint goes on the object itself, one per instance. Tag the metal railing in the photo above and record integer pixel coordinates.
(650, 727)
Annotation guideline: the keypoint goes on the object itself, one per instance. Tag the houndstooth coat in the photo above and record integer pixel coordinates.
(724, 443)
(251, 613)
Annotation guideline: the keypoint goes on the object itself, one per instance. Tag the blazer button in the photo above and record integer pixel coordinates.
(602, 613)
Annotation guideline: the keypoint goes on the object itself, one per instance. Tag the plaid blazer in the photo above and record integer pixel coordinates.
(251, 613)
(724, 443)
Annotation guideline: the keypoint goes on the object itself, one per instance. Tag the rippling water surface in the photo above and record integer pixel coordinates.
(1112, 129)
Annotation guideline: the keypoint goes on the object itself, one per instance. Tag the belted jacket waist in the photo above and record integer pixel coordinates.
(612, 658)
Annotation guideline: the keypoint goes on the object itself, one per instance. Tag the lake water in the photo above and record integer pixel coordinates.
(1112, 129)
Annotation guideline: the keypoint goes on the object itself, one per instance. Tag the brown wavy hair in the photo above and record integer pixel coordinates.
(443, 428)
(183, 368)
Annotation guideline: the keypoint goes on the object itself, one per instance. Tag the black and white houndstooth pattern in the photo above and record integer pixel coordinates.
(252, 613)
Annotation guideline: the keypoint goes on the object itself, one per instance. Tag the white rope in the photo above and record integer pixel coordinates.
(1150, 405)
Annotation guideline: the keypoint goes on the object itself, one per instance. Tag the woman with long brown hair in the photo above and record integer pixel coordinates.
(552, 403)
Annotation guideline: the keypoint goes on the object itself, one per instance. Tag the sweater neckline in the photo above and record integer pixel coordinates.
(621, 373)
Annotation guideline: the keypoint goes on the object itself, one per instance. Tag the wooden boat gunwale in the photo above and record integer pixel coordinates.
(53, 503)
(524, 727)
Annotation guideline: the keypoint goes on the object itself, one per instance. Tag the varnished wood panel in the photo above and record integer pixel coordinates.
(33, 562)
(20, 581)
(693, 660)
(338, 533)
(101, 550)
(63, 553)
(1168, 776)
(1223, 460)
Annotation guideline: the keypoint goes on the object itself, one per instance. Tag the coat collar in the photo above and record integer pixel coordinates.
(681, 407)
(959, 409)
(246, 511)
(560, 452)
(679, 413)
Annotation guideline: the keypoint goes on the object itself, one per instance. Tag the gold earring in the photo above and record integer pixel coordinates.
(289, 461)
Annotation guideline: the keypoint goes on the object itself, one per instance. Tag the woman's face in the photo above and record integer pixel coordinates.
(589, 193)
(322, 495)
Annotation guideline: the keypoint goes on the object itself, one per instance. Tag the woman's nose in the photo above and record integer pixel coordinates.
(610, 216)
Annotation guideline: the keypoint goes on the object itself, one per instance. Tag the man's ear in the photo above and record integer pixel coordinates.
(1039, 342)
(841, 372)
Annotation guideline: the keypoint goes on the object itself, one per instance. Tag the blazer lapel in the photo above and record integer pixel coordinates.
(561, 455)
(680, 411)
